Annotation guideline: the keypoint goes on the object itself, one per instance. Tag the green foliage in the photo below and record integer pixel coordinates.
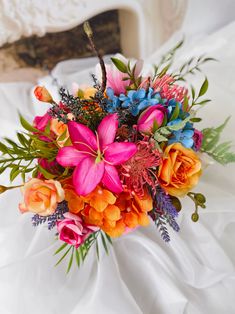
(199, 201)
(82, 251)
(196, 99)
(162, 134)
(20, 156)
(218, 151)
(166, 61)
(191, 66)
(121, 66)
(129, 71)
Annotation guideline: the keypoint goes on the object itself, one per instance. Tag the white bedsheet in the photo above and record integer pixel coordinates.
(194, 274)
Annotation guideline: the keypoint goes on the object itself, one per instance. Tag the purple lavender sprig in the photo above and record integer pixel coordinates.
(163, 202)
(51, 219)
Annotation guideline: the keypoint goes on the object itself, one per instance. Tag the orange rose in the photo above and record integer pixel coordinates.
(61, 131)
(180, 170)
(42, 94)
(41, 197)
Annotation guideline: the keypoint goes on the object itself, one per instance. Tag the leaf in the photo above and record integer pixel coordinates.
(3, 148)
(45, 173)
(23, 176)
(121, 66)
(14, 173)
(211, 136)
(180, 125)
(61, 248)
(97, 250)
(104, 243)
(23, 141)
(175, 113)
(47, 130)
(185, 103)
(205, 101)
(164, 70)
(195, 120)
(63, 136)
(70, 261)
(193, 92)
(61, 259)
(164, 131)
(160, 138)
(220, 152)
(77, 257)
(203, 88)
(109, 238)
(27, 126)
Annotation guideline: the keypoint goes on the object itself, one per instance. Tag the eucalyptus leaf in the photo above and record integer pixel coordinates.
(160, 138)
(121, 66)
(203, 88)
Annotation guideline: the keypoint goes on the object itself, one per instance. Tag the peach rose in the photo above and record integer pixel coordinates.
(41, 196)
(180, 170)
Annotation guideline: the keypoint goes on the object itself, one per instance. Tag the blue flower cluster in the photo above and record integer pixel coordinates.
(135, 100)
(185, 135)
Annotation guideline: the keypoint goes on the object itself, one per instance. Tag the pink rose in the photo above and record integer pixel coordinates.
(197, 137)
(151, 119)
(73, 230)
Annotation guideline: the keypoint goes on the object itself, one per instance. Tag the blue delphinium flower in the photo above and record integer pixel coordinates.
(113, 102)
(183, 136)
(137, 100)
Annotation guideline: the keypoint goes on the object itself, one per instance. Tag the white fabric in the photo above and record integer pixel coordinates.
(194, 274)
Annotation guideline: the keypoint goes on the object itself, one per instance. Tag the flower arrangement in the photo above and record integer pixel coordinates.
(113, 157)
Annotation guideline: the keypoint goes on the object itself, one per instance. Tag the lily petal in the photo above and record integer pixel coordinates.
(69, 156)
(111, 179)
(87, 175)
(107, 130)
(79, 134)
(117, 153)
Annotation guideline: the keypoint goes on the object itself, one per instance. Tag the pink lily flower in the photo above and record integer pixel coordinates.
(95, 155)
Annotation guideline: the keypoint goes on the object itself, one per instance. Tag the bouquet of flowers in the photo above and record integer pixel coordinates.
(109, 158)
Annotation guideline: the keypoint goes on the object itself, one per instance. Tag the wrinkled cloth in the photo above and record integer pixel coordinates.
(193, 274)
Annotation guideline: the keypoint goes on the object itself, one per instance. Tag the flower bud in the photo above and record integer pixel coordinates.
(200, 198)
(3, 189)
(195, 217)
(42, 94)
(151, 119)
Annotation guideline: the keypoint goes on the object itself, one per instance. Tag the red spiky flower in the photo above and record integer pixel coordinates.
(140, 170)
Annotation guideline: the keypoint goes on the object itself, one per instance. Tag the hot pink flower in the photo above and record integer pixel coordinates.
(151, 118)
(72, 230)
(197, 137)
(40, 122)
(95, 156)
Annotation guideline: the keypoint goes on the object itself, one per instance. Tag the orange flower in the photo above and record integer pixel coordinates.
(61, 131)
(134, 209)
(75, 202)
(100, 198)
(115, 217)
(180, 170)
(41, 197)
(42, 94)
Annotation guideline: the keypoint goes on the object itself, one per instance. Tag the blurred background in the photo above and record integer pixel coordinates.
(37, 36)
